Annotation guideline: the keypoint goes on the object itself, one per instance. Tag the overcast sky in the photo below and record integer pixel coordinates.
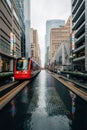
(43, 10)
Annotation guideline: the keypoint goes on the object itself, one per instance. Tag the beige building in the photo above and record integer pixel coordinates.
(10, 39)
(35, 48)
(57, 36)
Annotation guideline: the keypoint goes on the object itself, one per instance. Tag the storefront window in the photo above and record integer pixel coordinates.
(5, 65)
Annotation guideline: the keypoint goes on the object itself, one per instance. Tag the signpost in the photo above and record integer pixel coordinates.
(73, 41)
(11, 43)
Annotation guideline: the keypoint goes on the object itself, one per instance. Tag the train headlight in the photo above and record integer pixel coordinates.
(17, 72)
(26, 72)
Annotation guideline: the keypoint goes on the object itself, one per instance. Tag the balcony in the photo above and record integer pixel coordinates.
(79, 11)
(74, 2)
(75, 6)
(79, 58)
(80, 30)
(80, 20)
(79, 49)
(80, 39)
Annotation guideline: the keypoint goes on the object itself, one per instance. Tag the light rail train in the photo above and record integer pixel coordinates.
(25, 68)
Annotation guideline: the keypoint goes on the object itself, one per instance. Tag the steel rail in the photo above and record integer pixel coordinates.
(8, 85)
(71, 86)
(11, 94)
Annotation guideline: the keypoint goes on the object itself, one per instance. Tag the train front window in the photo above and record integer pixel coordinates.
(22, 65)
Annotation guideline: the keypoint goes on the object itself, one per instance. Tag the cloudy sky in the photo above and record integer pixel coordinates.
(42, 10)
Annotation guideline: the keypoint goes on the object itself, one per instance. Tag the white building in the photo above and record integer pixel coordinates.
(61, 57)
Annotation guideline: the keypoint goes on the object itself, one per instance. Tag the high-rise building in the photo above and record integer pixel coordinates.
(79, 34)
(58, 36)
(49, 25)
(27, 28)
(20, 8)
(10, 34)
(61, 59)
(35, 47)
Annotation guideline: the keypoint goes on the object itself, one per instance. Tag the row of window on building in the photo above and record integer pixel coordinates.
(12, 34)
(73, 33)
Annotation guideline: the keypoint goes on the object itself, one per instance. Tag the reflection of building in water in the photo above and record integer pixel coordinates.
(79, 121)
(73, 97)
(25, 96)
(13, 109)
(55, 104)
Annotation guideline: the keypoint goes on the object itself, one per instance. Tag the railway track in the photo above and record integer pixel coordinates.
(6, 88)
(76, 84)
(77, 88)
(7, 92)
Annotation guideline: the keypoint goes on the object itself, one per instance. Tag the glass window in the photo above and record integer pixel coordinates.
(22, 65)
(9, 3)
(15, 15)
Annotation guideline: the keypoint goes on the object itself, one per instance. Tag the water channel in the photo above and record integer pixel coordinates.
(44, 104)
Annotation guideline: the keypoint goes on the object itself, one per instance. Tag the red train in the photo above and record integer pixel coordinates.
(25, 68)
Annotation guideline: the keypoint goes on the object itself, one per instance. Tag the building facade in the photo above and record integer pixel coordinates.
(20, 9)
(61, 59)
(49, 25)
(27, 28)
(57, 37)
(35, 47)
(79, 31)
(10, 38)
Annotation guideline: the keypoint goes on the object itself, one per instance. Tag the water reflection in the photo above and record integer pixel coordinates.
(24, 97)
(50, 112)
(79, 122)
(73, 97)
(45, 104)
(79, 112)
(42, 92)
(37, 107)
(13, 108)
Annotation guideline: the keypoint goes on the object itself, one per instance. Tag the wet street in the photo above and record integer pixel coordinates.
(44, 104)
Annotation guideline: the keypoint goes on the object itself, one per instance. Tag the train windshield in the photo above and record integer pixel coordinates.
(22, 64)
